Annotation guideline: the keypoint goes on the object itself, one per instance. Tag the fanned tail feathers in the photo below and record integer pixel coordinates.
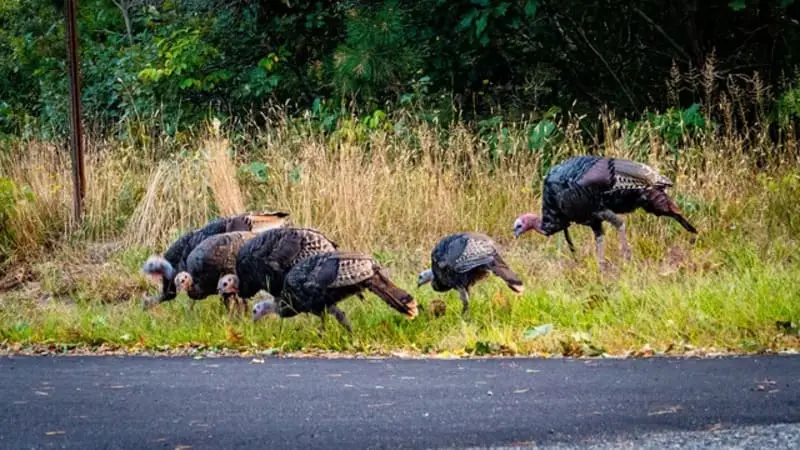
(395, 297)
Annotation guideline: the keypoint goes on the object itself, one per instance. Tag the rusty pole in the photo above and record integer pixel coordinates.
(78, 176)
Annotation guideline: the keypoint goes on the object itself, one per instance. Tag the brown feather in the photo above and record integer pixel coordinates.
(631, 173)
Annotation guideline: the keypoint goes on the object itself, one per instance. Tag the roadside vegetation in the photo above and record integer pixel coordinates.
(444, 118)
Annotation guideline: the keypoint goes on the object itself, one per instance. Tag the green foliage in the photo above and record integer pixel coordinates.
(9, 195)
(172, 63)
(378, 54)
(672, 127)
(788, 105)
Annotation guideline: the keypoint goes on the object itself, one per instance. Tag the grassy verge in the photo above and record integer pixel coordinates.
(394, 194)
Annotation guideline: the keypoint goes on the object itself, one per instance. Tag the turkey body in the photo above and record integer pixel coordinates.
(174, 259)
(590, 190)
(210, 260)
(460, 260)
(318, 283)
(264, 261)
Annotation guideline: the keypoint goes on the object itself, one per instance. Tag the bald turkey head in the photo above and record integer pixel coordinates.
(156, 267)
(426, 276)
(264, 308)
(228, 285)
(183, 281)
(527, 222)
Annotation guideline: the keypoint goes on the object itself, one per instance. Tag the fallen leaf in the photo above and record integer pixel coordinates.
(541, 330)
(532, 371)
(55, 433)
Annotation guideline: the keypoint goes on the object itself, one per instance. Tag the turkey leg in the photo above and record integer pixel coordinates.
(617, 223)
(339, 315)
(464, 296)
(597, 228)
(569, 241)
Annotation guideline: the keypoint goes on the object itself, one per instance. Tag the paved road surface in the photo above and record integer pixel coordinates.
(114, 402)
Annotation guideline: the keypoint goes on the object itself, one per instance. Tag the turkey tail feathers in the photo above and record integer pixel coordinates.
(501, 269)
(660, 204)
(633, 169)
(685, 223)
(395, 297)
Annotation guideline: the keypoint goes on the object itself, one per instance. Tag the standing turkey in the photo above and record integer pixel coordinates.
(462, 259)
(589, 190)
(213, 258)
(264, 261)
(318, 283)
(164, 268)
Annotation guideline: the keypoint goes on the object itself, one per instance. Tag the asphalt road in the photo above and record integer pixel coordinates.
(115, 402)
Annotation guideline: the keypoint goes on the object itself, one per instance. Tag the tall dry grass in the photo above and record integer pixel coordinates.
(370, 190)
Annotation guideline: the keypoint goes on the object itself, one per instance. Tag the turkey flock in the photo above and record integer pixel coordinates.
(300, 270)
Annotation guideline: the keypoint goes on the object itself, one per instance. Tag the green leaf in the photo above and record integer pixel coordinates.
(259, 171)
(530, 7)
(737, 5)
(480, 24)
(541, 330)
(466, 22)
(501, 9)
(189, 82)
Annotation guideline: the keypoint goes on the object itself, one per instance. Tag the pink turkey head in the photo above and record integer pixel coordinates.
(229, 284)
(183, 281)
(527, 222)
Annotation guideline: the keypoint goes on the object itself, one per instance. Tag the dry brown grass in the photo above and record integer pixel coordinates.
(370, 191)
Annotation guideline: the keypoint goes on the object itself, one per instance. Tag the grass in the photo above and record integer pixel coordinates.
(394, 194)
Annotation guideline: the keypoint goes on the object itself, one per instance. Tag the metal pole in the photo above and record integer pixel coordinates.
(78, 177)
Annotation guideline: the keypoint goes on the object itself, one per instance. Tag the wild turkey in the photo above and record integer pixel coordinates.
(588, 190)
(316, 284)
(209, 261)
(163, 269)
(262, 263)
(462, 259)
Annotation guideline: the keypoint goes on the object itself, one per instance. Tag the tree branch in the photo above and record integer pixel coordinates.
(663, 33)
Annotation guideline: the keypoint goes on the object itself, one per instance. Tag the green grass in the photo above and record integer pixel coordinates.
(727, 302)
